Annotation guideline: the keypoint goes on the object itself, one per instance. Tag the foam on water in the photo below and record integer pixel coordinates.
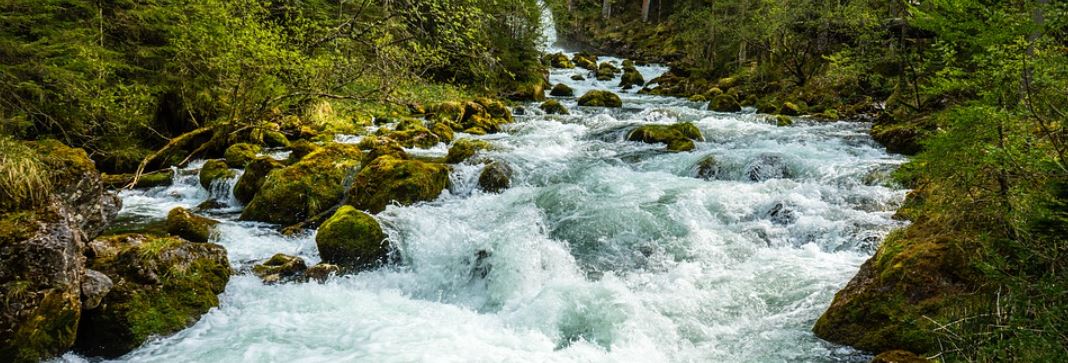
(603, 250)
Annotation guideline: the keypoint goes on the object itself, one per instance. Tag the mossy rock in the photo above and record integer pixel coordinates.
(237, 155)
(390, 180)
(678, 137)
(899, 356)
(376, 147)
(215, 170)
(477, 131)
(598, 98)
(713, 92)
(447, 111)
(463, 149)
(352, 239)
(725, 103)
(562, 90)
(918, 276)
(414, 136)
(280, 267)
(251, 180)
(727, 83)
(606, 71)
(322, 271)
(698, 98)
(443, 131)
(708, 168)
(578, 77)
(299, 149)
(161, 286)
(529, 91)
(783, 120)
(902, 137)
(275, 139)
(791, 109)
(631, 77)
(585, 60)
(495, 177)
(183, 223)
(309, 187)
(767, 106)
(559, 60)
(553, 107)
(147, 180)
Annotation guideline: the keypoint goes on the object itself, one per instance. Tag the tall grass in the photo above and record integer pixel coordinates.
(24, 180)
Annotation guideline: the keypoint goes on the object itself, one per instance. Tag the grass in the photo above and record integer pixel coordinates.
(24, 180)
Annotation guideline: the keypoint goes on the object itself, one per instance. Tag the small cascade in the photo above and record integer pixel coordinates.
(548, 28)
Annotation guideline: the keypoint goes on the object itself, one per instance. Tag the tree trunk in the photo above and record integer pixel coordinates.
(606, 9)
(646, 5)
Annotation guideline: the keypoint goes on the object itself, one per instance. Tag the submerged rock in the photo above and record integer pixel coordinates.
(708, 168)
(183, 223)
(239, 154)
(351, 238)
(725, 103)
(464, 149)
(678, 137)
(251, 180)
(161, 286)
(215, 170)
(553, 107)
(305, 189)
(280, 267)
(768, 166)
(389, 179)
(598, 98)
(495, 177)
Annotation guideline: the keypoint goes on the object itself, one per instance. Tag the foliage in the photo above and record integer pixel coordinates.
(24, 180)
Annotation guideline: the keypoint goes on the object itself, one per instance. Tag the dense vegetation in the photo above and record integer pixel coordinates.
(123, 78)
(976, 89)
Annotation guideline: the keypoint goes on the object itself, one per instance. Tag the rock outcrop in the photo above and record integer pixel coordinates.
(390, 180)
(302, 190)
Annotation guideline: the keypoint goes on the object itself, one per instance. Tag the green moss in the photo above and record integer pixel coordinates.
(791, 109)
(214, 170)
(631, 77)
(48, 331)
(351, 238)
(388, 179)
(299, 149)
(162, 285)
(585, 60)
(147, 180)
(275, 139)
(183, 223)
(463, 149)
(278, 267)
(495, 177)
(251, 180)
(598, 98)
(783, 120)
(553, 107)
(237, 155)
(443, 131)
(302, 190)
(678, 137)
(559, 60)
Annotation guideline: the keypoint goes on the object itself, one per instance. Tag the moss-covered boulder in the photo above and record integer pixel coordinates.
(631, 77)
(305, 189)
(279, 268)
(213, 171)
(678, 137)
(251, 180)
(606, 71)
(917, 278)
(725, 103)
(599, 98)
(183, 223)
(413, 133)
(351, 238)
(443, 131)
(375, 147)
(463, 149)
(299, 149)
(237, 155)
(322, 271)
(783, 120)
(901, 136)
(559, 60)
(791, 109)
(275, 139)
(529, 91)
(585, 60)
(495, 177)
(554, 107)
(562, 90)
(708, 168)
(161, 286)
(147, 180)
(578, 77)
(390, 180)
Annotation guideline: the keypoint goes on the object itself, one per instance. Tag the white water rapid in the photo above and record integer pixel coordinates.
(603, 250)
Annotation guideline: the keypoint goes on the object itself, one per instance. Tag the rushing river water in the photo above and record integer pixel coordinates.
(603, 250)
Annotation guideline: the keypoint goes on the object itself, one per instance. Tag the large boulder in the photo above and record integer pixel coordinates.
(559, 60)
(599, 98)
(351, 238)
(899, 295)
(464, 149)
(562, 90)
(161, 285)
(183, 223)
(768, 166)
(631, 77)
(585, 60)
(305, 189)
(214, 171)
(42, 241)
(239, 154)
(725, 103)
(388, 179)
(495, 177)
(678, 137)
(412, 133)
(251, 180)
(606, 71)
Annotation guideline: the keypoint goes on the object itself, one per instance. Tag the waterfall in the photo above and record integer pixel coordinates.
(548, 28)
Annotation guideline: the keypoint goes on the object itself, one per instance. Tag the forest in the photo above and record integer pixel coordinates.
(973, 92)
